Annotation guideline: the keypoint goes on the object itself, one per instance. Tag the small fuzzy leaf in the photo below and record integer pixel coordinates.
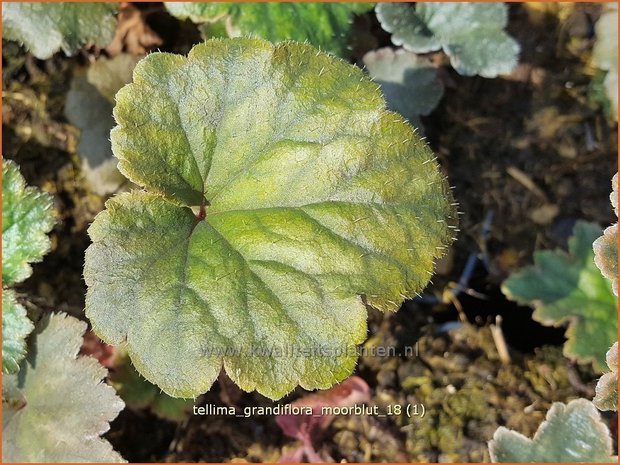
(605, 52)
(606, 246)
(408, 82)
(15, 328)
(45, 28)
(471, 34)
(572, 432)
(138, 393)
(26, 219)
(313, 195)
(606, 397)
(324, 25)
(570, 288)
(67, 405)
(89, 105)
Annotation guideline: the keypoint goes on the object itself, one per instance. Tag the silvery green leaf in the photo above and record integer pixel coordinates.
(15, 328)
(408, 82)
(470, 33)
(45, 28)
(65, 406)
(572, 432)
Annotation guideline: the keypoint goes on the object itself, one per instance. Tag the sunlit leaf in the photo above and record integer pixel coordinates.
(571, 433)
(312, 195)
(470, 33)
(606, 246)
(324, 25)
(45, 28)
(26, 219)
(65, 406)
(607, 387)
(15, 328)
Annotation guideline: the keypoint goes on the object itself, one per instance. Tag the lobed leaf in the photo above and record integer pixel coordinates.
(605, 52)
(15, 328)
(572, 432)
(408, 82)
(324, 25)
(312, 196)
(45, 28)
(471, 34)
(569, 288)
(67, 406)
(26, 219)
(89, 105)
(606, 246)
(606, 397)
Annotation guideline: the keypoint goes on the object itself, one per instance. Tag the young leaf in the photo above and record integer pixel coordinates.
(471, 34)
(570, 288)
(89, 105)
(45, 28)
(67, 406)
(606, 246)
(138, 393)
(311, 194)
(324, 25)
(15, 328)
(605, 52)
(572, 432)
(606, 397)
(26, 219)
(408, 82)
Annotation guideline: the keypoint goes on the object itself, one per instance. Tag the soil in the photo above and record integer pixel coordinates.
(532, 149)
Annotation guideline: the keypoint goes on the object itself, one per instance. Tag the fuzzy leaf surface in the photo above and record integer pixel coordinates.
(26, 219)
(606, 246)
(316, 196)
(570, 288)
(67, 406)
(471, 34)
(45, 28)
(15, 328)
(408, 82)
(572, 432)
(324, 25)
(606, 397)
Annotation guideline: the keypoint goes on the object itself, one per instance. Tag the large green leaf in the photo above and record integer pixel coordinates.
(15, 328)
(45, 28)
(67, 406)
(409, 82)
(605, 52)
(324, 25)
(89, 105)
(570, 288)
(572, 432)
(471, 34)
(26, 219)
(314, 195)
